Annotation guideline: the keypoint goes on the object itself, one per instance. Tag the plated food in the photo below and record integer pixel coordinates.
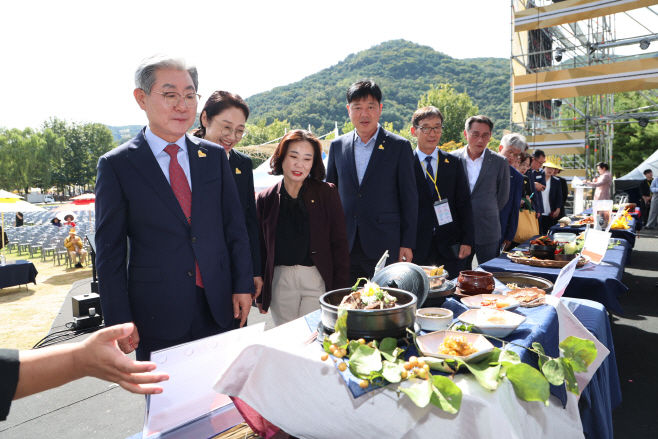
(543, 241)
(494, 301)
(494, 322)
(529, 297)
(456, 345)
(430, 344)
(370, 296)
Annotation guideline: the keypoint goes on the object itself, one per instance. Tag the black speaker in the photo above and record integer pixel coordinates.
(84, 302)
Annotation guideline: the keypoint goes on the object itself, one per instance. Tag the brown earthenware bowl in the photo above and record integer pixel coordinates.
(471, 282)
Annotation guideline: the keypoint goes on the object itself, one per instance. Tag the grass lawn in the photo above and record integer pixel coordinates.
(26, 315)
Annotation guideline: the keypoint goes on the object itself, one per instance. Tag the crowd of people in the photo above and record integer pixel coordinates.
(184, 246)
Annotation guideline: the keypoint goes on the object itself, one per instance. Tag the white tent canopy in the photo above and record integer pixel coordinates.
(638, 173)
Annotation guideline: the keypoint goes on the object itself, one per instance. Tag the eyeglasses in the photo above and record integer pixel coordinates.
(426, 130)
(172, 98)
(228, 130)
(476, 136)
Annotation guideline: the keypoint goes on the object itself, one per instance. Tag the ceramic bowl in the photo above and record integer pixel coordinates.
(471, 282)
(428, 323)
(564, 237)
(474, 317)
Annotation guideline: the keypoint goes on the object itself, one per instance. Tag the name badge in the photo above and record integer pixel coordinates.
(538, 177)
(442, 210)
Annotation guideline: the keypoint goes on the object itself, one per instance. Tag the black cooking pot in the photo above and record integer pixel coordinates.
(371, 323)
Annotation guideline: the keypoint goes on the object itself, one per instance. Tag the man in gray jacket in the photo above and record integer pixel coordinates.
(489, 183)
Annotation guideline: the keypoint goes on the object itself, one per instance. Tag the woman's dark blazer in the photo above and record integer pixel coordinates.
(243, 174)
(328, 247)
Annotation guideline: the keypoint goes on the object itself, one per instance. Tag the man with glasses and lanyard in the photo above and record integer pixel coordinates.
(489, 183)
(446, 234)
(188, 273)
(511, 147)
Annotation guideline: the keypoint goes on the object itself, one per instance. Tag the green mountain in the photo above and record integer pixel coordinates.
(404, 70)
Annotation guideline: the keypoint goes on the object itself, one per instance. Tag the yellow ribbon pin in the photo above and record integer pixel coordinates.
(446, 160)
(238, 171)
(202, 154)
(381, 146)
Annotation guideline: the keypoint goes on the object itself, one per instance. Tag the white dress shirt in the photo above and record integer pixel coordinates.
(435, 161)
(157, 147)
(473, 168)
(546, 197)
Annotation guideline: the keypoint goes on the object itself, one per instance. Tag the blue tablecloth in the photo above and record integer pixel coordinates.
(600, 283)
(627, 234)
(603, 393)
(17, 273)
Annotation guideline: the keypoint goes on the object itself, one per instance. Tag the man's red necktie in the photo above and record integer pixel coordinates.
(182, 191)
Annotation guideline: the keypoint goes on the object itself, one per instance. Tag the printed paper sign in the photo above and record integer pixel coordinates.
(564, 277)
(596, 244)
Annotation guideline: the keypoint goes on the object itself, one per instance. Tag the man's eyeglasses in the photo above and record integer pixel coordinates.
(172, 98)
(426, 130)
(485, 136)
(239, 133)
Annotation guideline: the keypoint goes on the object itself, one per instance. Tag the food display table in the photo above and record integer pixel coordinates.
(626, 234)
(600, 283)
(287, 383)
(17, 273)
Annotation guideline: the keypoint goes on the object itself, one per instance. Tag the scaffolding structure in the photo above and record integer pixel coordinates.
(578, 46)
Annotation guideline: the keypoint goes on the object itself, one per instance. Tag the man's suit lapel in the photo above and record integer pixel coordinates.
(142, 158)
(198, 167)
(376, 156)
(348, 157)
(484, 170)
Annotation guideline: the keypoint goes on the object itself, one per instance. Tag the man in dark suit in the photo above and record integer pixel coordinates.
(538, 180)
(511, 147)
(440, 178)
(488, 180)
(645, 196)
(373, 171)
(188, 272)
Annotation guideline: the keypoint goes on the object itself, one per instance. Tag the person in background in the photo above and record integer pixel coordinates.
(73, 244)
(538, 180)
(564, 185)
(489, 183)
(645, 195)
(524, 164)
(602, 183)
(25, 373)
(56, 222)
(440, 177)
(19, 219)
(512, 146)
(222, 121)
(304, 250)
(68, 220)
(652, 223)
(551, 200)
(373, 172)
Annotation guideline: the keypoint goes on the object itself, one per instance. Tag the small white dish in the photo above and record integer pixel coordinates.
(474, 302)
(474, 317)
(564, 237)
(429, 345)
(434, 323)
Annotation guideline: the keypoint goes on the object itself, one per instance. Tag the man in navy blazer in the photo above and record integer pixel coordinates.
(537, 180)
(182, 276)
(446, 244)
(511, 147)
(373, 171)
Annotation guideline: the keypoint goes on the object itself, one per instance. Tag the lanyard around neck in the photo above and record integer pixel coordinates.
(433, 179)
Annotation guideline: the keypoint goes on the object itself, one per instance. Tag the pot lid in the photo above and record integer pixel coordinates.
(405, 276)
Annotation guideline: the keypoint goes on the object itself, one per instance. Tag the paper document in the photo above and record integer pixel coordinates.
(564, 277)
(596, 244)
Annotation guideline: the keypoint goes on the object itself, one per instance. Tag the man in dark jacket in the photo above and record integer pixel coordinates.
(440, 178)
(645, 196)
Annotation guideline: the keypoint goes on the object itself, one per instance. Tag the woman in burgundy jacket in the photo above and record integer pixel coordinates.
(304, 250)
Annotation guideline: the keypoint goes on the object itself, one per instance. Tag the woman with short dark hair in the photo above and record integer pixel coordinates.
(303, 240)
(602, 183)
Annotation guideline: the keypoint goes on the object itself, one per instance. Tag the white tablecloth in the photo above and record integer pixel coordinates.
(291, 387)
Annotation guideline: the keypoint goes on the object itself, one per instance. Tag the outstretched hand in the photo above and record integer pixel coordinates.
(101, 358)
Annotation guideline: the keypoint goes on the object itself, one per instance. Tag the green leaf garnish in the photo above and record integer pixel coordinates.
(446, 394)
(419, 392)
(580, 352)
(529, 384)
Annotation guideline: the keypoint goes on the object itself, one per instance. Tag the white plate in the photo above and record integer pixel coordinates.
(473, 302)
(514, 320)
(429, 345)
